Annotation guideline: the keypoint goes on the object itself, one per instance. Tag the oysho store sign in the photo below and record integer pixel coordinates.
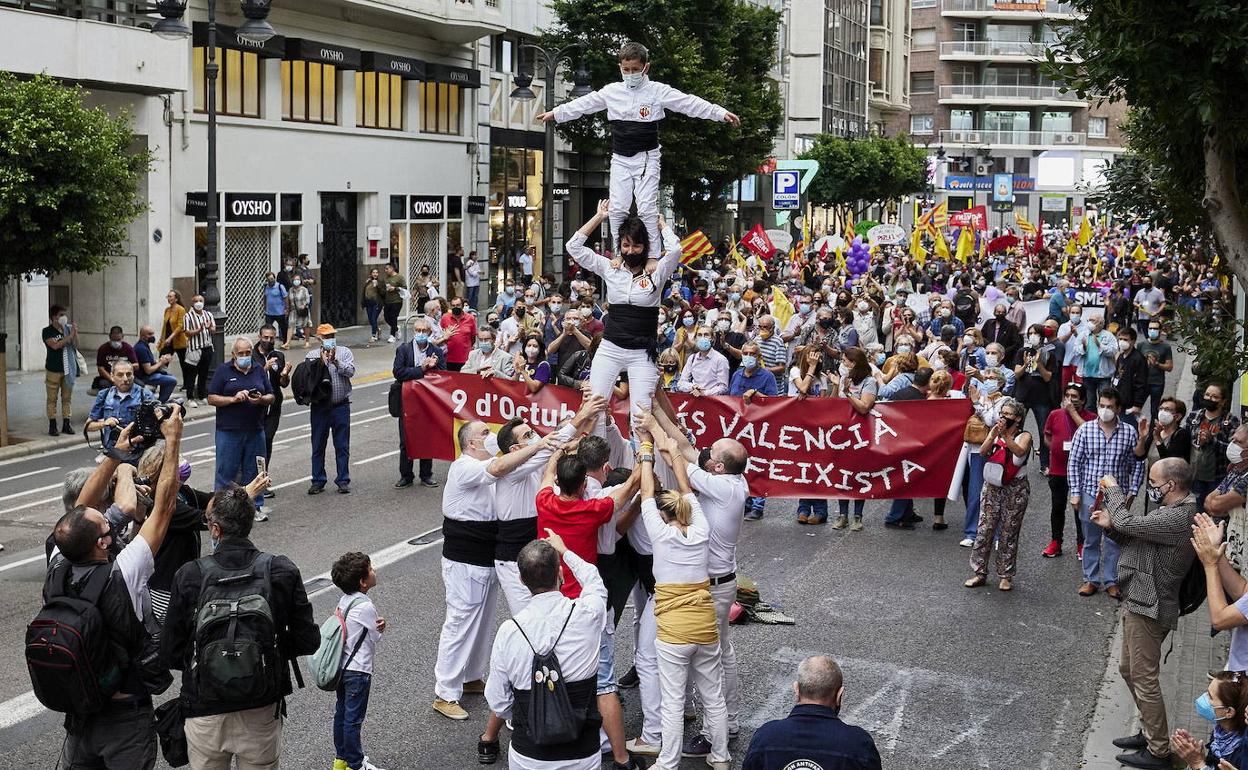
(427, 207)
(250, 207)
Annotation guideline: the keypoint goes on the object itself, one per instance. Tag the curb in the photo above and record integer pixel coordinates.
(38, 446)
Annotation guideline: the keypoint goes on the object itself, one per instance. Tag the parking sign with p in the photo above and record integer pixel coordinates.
(784, 189)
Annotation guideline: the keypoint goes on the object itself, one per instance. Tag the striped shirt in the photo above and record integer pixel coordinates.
(341, 370)
(203, 320)
(775, 353)
(1094, 455)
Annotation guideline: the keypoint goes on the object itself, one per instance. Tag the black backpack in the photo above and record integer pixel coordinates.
(965, 307)
(310, 383)
(1193, 590)
(235, 654)
(551, 718)
(73, 668)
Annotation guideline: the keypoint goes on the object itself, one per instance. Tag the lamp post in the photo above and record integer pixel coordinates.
(550, 58)
(257, 30)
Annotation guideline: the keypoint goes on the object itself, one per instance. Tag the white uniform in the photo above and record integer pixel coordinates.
(637, 175)
(471, 589)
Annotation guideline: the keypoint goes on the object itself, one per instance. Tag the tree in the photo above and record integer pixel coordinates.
(69, 180)
(860, 173)
(1181, 67)
(720, 50)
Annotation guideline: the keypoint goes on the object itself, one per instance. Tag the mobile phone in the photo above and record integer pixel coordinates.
(262, 466)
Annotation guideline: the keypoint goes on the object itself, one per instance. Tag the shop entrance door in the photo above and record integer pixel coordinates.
(339, 263)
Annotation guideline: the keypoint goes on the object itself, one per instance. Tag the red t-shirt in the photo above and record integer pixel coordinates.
(577, 522)
(459, 344)
(1060, 430)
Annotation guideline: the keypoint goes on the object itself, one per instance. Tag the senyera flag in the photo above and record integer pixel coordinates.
(695, 245)
(815, 447)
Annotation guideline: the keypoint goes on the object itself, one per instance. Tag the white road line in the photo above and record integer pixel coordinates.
(26, 706)
(381, 456)
(32, 491)
(33, 473)
(35, 504)
(22, 563)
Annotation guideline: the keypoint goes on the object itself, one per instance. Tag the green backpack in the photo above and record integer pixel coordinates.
(327, 663)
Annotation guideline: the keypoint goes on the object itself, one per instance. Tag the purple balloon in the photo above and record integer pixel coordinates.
(857, 241)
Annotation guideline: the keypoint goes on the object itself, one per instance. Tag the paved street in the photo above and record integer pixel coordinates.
(945, 678)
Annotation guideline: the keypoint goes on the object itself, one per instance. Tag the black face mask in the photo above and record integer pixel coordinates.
(520, 312)
(634, 260)
(704, 457)
(669, 368)
(825, 323)
(457, 311)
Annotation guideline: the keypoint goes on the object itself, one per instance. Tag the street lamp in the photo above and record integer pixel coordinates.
(550, 58)
(255, 29)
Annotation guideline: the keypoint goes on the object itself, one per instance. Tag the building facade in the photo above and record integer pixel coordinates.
(982, 106)
(888, 59)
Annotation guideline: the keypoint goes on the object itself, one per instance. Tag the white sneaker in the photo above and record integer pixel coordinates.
(192, 403)
(262, 514)
(390, 339)
(637, 746)
(966, 542)
(369, 765)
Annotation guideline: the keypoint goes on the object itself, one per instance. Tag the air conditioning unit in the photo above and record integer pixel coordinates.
(983, 169)
(1068, 138)
(957, 136)
(972, 137)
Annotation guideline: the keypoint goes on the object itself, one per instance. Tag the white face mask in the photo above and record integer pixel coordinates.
(938, 363)
(968, 340)
(1105, 414)
(199, 306)
(491, 444)
(993, 359)
(1033, 340)
(633, 79)
(844, 370)
(1234, 453)
(863, 307)
(904, 348)
(1165, 416)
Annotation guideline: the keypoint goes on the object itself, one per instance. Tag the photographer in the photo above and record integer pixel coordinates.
(1037, 373)
(117, 405)
(242, 394)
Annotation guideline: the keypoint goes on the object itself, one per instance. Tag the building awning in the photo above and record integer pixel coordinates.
(393, 64)
(445, 73)
(228, 38)
(342, 57)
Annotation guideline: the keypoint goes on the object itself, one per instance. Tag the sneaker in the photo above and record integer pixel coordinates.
(1079, 551)
(753, 516)
(637, 746)
(390, 339)
(856, 526)
(487, 752)
(261, 514)
(630, 680)
(966, 542)
(269, 494)
(367, 765)
(450, 709)
(841, 522)
(344, 489)
(1053, 550)
(192, 403)
(316, 489)
(340, 764)
(696, 746)
(475, 687)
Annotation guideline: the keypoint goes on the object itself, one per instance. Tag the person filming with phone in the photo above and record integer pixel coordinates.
(242, 393)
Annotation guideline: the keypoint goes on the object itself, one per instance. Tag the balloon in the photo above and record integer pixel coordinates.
(857, 241)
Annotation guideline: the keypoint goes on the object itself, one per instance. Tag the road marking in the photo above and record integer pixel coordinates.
(24, 506)
(22, 563)
(33, 473)
(32, 491)
(381, 456)
(19, 709)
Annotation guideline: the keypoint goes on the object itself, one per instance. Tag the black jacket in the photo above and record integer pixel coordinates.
(1131, 378)
(406, 367)
(815, 734)
(297, 634)
(1006, 333)
(126, 633)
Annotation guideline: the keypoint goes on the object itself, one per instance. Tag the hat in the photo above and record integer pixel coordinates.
(325, 330)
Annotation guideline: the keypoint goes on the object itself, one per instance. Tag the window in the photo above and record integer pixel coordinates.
(309, 92)
(921, 124)
(238, 83)
(924, 39)
(965, 31)
(439, 108)
(963, 74)
(922, 3)
(1056, 121)
(1009, 76)
(1012, 33)
(922, 82)
(378, 100)
(1098, 128)
(1007, 120)
(876, 15)
(503, 55)
(962, 120)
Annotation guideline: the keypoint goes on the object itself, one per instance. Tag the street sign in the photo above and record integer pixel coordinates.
(1002, 206)
(784, 190)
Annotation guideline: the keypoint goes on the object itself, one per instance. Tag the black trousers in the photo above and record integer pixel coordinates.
(405, 462)
(199, 375)
(391, 313)
(1059, 491)
(121, 737)
(271, 421)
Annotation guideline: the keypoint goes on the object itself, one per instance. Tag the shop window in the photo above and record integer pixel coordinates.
(309, 92)
(378, 100)
(440, 108)
(238, 82)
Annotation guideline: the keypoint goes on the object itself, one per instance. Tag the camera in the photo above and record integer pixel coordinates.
(147, 420)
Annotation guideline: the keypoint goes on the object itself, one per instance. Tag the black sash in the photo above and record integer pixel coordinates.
(469, 542)
(633, 327)
(583, 695)
(629, 137)
(513, 536)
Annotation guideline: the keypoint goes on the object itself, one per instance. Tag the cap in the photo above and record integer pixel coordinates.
(325, 330)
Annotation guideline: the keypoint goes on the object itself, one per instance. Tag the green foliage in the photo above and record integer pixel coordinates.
(720, 50)
(68, 180)
(1216, 340)
(861, 172)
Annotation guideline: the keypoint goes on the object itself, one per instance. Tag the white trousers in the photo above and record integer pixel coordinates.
(724, 595)
(515, 592)
(636, 177)
(647, 662)
(464, 645)
(610, 360)
(677, 663)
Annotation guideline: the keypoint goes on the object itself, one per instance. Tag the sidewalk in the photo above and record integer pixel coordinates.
(28, 422)
(1184, 676)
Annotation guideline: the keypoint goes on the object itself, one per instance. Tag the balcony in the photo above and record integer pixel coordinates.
(1009, 95)
(980, 50)
(999, 138)
(982, 9)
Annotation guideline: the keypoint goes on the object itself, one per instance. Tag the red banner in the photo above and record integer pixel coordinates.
(975, 218)
(756, 240)
(813, 448)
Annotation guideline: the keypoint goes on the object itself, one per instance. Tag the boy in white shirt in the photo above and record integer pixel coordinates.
(354, 575)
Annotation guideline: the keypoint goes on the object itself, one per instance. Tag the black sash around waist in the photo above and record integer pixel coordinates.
(583, 694)
(469, 542)
(633, 327)
(629, 137)
(513, 536)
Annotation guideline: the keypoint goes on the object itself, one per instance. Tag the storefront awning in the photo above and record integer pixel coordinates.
(393, 64)
(227, 37)
(445, 73)
(342, 57)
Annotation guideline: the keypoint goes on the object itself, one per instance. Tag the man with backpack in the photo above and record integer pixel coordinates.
(90, 651)
(1156, 554)
(966, 303)
(237, 619)
(555, 635)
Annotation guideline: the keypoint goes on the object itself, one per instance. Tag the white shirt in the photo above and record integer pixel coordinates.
(472, 273)
(722, 498)
(623, 288)
(645, 104)
(511, 659)
(509, 334)
(679, 557)
(515, 495)
(526, 263)
(436, 334)
(361, 620)
(469, 494)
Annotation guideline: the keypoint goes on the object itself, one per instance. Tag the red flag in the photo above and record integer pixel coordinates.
(756, 240)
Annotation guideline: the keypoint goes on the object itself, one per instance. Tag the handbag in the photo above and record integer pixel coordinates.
(976, 430)
(193, 356)
(394, 400)
(82, 362)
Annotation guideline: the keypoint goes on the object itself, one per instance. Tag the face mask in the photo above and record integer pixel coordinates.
(879, 359)
(199, 306)
(485, 347)
(938, 363)
(555, 307)
(421, 338)
(1165, 417)
(825, 323)
(804, 308)
(1234, 453)
(1155, 494)
(1154, 333)
(722, 325)
(215, 544)
(1074, 317)
(669, 368)
(765, 333)
(843, 370)
(704, 457)
(184, 471)
(749, 362)
(63, 320)
(1033, 340)
(115, 344)
(687, 320)
(264, 345)
(734, 297)
(1205, 708)
(968, 340)
(328, 344)
(993, 359)
(989, 387)
(945, 312)
(151, 339)
(493, 322)
(1010, 300)
(1105, 414)
(491, 444)
(1125, 345)
(633, 79)
(521, 311)
(863, 307)
(271, 281)
(531, 351)
(510, 290)
(242, 362)
(703, 344)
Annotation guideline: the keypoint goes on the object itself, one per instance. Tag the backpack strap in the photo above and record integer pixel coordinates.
(557, 638)
(363, 633)
(95, 584)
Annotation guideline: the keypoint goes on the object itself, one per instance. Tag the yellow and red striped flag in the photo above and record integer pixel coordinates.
(940, 215)
(1026, 227)
(695, 245)
(849, 226)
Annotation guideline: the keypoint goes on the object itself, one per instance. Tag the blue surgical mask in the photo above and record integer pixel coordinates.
(988, 386)
(687, 321)
(421, 338)
(242, 362)
(734, 297)
(749, 362)
(215, 544)
(485, 347)
(1154, 333)
(703, 344)
(880, 358)
(1205, 708)
(329, 343)
(804, 308)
